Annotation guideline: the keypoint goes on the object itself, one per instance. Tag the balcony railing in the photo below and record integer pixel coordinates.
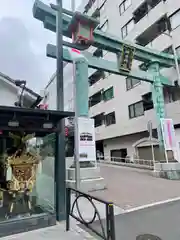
(144, 9)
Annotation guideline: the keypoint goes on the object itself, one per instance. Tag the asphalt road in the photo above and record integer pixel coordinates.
(162, 221)
(129, 187)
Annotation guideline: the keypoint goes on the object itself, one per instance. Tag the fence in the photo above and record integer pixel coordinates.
(142, 163)
(106, 232)
(135, 161)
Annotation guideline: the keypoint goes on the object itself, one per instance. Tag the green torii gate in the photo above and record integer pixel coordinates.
(153, 60)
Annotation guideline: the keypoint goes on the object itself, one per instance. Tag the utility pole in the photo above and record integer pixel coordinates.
(60, 164)
(76, 129)
(175, 55)
(73, 5)
(175, 58)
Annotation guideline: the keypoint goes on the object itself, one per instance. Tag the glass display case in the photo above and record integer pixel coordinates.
(27, 163)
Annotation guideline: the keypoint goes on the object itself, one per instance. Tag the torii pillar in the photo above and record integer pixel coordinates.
(84, 175)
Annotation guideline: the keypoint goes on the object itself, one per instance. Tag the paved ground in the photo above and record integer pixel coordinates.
(162, 221)
(129, 187)
(52, 233)
(58, 232)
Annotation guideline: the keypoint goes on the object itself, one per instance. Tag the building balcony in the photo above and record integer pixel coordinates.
(102, 83)
(102, 107)
(91, 8)
(171, 8)
(101, 2)
(157, 42)
(105, 132)
(156, 13)
(166, 40)
(96, 109)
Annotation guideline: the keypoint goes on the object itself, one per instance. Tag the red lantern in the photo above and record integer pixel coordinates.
(81, 28)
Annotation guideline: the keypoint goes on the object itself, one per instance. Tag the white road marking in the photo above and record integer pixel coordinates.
(170, 200)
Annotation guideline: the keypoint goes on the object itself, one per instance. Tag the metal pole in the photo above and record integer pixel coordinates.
(73, 5)
(60, 165)
(175, 59)
(149, 127)
(76, 135)
(175, 55)
(152, 148)
(76, 139)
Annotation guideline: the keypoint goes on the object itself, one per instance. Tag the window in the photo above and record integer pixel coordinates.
(136, 110)
(131, 83)
(147, 101)
(99, 120)
(124, 6)
(171, 94)
(95, 99)
(108, 94)
(98, 53)
(168, 50)
(127, 28)
(110, 119)
(104, 27)
(95, 77)
(175, 20)
(89, 5)
(102, 8)
(96, 14)
(178, 50)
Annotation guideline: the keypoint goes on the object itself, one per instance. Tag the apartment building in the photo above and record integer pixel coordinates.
(123, 106)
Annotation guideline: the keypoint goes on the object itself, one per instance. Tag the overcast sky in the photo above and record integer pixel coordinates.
(23, 43)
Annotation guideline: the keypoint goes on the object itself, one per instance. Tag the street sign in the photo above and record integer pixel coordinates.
(86, 139)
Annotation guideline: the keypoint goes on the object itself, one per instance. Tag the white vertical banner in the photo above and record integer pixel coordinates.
(86, 139)
(168, 133)
(169, 136)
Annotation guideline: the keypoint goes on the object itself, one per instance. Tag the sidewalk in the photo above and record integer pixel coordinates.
(52, 233)
(58, 232)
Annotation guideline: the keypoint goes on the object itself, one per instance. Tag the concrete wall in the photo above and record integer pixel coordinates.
(121, 142)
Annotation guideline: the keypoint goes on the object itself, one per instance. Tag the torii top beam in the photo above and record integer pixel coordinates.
(106, 65)
(102, 40)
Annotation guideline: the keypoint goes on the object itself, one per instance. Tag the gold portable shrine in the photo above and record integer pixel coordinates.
(22, 166)
(23, 169)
